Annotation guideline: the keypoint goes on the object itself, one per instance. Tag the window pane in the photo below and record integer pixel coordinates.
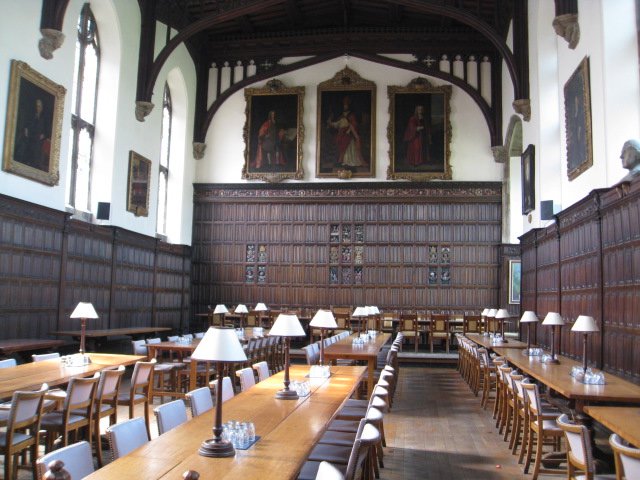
(83, 173)
(166, 132)
(162, 203)
(89, 84)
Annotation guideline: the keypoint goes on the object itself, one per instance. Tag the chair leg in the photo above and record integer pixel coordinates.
(146, 418)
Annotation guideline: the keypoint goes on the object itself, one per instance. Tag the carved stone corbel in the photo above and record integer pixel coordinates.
(143, 109)
(51, 40)
(567, 27)
(198, 150)
(500, 154)
(522, 106)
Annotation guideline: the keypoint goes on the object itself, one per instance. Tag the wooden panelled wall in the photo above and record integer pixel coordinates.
(588, 263)
(429, 246)
(49, 262)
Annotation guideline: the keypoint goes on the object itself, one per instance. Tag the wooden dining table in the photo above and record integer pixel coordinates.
(625, 421)
(368, 352)
(31, 376)
(288, 430)
(486, 342)
(557, 377)
(94, 337)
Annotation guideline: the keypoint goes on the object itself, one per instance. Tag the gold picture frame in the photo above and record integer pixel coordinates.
(138, 184)
(346, 134)
(273, 132)
(577, 118)
(419, 131)
(33, 125)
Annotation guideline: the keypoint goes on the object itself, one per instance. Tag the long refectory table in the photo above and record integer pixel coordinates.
(486, 342)
(625, 421)
(31, 376)
(345, 349)
(288, 430)
(558, 378)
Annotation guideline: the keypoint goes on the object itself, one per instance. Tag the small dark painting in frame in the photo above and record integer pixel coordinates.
(33, 126)
(138, 184)
(273, 132)
(527, 162)
(577, 116)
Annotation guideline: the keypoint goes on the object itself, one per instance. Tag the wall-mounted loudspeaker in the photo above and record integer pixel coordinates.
(104, 209)
(546, 210)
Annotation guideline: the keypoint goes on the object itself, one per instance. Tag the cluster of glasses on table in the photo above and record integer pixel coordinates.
(258, 331)
(364, 337)
(590, 377)
(185, 340)
(240, 434)
(301, 388)
(75, 360)
(496, 338)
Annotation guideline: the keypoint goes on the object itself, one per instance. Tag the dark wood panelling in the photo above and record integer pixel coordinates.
(596, 271)
(49, 262)
(382, 232)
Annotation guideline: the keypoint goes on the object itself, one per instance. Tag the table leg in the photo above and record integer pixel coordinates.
(371, 366)
(193, 365)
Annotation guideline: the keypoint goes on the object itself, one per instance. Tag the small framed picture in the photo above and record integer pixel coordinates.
(138, 185)
(515, 275)
(577, 115)
(527, 161)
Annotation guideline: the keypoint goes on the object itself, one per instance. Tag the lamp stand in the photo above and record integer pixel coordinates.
(504, 339)
(554, 358)
(528, 350)
(322, 346)
(286, 393)
(217, 447)
(584, 353)
(83, 333)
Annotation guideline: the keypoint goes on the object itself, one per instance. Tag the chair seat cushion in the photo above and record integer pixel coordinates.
(332, 437)
(18, 437)
(125, 397)
(344, 425)
(310, 470)
(55, 419)
(331, 453)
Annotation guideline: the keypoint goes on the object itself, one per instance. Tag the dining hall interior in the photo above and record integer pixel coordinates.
(320, 239)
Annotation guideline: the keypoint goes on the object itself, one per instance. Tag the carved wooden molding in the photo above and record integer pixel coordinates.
(522, 106)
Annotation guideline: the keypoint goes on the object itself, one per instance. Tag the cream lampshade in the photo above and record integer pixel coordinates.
(83, 311)
(323, 319)
(242, 310)
(585, 325)
(220, 310)
(287, 325)
(360, 313)
(218, 345)
(261, 307)
(554, 320)
(529, 317)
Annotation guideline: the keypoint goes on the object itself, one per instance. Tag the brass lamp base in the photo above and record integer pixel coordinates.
(286, 394)
(216, 448)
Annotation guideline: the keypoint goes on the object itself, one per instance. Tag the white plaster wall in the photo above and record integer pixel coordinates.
(471, 157)
(117, 131)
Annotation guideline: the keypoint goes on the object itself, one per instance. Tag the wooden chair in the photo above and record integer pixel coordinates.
(579, 453)
(23, 428)
(439, 330)
(409, 327)
(170, 415)
(471, 324)
(387, 321)
(200, 400)
(106, 404)
(247, 379)
(124, 437)
(262, 369)
(76, 412)
(77, 459)
(626, 457)
(544, 427)
(227, 389)
(140, 390)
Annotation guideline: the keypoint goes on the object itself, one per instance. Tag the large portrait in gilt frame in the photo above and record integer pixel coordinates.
(419, 131)
(345, 139)
(33, 125)
(577, 117)
(138, 184)
(273, 132)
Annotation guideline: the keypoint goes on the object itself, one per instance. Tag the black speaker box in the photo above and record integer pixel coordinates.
(546, 210)
(104, 208)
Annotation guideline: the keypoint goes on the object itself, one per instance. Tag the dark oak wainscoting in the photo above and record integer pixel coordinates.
(588, 263)
(434, 246)
(49, 262)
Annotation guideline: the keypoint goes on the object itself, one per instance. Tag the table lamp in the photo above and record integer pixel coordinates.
(287, 325)
(501, 315)
(323, 319)
(83, 311)
(260, 307)
(360, 313)
(220, 310)
(373, 312)
(242, 310)
(553, 319)
(220, 345)
(484, 314)
(529, 317)
(585, 325)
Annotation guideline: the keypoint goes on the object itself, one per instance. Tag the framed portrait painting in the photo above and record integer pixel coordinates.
(527, 163)
(419, 131)
(273, 132)
(33, 125)
(138, 184)
(345, 139)
(577, 119)
(515, 277)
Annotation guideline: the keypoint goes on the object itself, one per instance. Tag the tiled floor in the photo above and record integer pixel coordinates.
(436, 430)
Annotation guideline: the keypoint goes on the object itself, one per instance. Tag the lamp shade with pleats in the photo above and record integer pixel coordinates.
(261, 307)
(241, 309)
(502, 313)
(323, 319)
(287, 325)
